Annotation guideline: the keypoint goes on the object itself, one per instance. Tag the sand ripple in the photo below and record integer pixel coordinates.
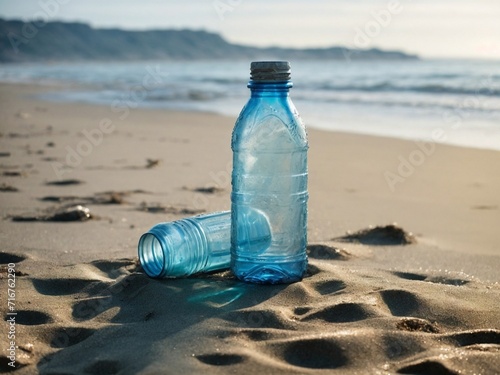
(344, 317)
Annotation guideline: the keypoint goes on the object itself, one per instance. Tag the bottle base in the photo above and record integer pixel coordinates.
(269, 272)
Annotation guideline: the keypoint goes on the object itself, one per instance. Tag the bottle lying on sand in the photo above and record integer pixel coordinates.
(270, 146)
(197, 244)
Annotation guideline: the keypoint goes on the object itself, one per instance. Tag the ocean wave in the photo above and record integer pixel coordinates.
(429, 88)
(481, 107)
(185, 95)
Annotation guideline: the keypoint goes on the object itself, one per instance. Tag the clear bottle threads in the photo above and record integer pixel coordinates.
(197, 244)
(270, 146)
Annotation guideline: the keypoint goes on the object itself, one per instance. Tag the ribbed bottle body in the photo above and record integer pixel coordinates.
(187, 246)
(269, 146)
(197, 244)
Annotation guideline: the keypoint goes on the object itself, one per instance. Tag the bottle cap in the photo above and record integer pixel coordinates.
(270, 71)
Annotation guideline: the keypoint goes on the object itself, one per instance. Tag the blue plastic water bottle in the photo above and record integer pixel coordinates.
(196, 244)
(269, 146)
(187, 246)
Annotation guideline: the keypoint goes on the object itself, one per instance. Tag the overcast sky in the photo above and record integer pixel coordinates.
(430, 28)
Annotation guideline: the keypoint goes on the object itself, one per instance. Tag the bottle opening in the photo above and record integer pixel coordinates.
(151, 255)
(270, 71)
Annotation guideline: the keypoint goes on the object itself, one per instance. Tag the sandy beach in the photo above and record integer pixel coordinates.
(369, 304)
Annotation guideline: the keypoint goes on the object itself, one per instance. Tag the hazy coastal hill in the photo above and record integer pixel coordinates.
(62, 41)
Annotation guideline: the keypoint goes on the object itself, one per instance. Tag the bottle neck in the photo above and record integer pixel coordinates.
(269, 89)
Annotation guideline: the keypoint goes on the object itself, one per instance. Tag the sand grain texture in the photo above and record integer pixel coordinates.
(108, 317)
(370, 306)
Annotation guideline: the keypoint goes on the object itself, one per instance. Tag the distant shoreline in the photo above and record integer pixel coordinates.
(65, 41)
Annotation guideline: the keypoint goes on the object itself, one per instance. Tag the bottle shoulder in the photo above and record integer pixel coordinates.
(269, 124)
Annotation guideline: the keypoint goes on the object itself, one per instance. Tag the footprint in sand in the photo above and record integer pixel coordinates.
(258, 334)
(220, 359)
(60, 287)
(427, 367)
(431, 279)
(314, 353)
(260, 319)
(342, 313)
(6, 258)
(32, 317)
(475, 337)
(329, 287)
(477, 346)
(403, 303)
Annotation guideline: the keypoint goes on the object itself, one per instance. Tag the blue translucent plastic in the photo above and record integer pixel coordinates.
(269, 146)
(196, 244)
